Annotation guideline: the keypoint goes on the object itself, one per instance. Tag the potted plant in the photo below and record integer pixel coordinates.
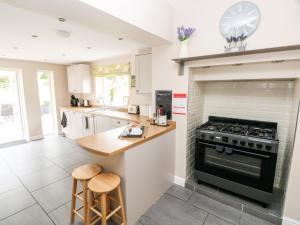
(183, 35)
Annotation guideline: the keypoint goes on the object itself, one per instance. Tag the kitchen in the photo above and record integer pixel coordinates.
(222, 105)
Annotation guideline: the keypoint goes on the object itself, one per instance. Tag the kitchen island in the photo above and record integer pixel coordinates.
(145, 164)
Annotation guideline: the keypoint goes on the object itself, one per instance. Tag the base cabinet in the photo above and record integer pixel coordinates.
(88, 125)
(84, 124)
(102, 124)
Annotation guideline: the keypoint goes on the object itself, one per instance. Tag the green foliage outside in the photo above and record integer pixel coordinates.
(4, 82)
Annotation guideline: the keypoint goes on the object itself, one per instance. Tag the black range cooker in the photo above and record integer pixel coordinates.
(237, 155)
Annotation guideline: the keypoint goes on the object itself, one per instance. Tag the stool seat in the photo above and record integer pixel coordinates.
(86, 172)
(105, 182)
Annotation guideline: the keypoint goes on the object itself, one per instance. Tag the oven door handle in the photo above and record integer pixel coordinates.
(235, 150)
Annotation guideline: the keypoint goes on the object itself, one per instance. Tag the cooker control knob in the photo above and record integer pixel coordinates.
(259, 146)
(242, 143)
(268, 147)
(234, 142)
(211, 137)
(251, 144)
(203, 135)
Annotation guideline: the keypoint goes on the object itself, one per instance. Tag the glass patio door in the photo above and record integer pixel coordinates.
(11, 125)
(46, 103)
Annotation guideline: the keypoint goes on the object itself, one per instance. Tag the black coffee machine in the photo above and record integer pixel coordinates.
(164, 99)
(74, 101)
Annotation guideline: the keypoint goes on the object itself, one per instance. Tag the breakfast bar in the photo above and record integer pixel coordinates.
(145, 164)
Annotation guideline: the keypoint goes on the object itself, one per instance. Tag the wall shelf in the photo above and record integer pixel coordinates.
(182, 61)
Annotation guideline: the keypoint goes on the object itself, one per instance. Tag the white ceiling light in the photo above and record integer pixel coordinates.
(63, 33)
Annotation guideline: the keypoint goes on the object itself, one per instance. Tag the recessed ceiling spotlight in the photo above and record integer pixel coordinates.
(60, 19)
(63, 54)
(120, 39)
(88, 47)
(34, 36)
(63, 33)
(15, 47)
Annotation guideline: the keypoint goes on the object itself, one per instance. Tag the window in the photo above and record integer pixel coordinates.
(113, 90)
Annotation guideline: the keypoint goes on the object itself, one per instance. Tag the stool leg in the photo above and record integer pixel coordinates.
(122, 205)
(85, 204)
(103, 208)
(74, 190)
(90, 203)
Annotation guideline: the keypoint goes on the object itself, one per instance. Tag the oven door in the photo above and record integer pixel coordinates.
(239, 165)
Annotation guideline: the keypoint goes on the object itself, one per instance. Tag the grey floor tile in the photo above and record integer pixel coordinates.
(74, 166)
(54, 195)
(247, 219)
(214, 207)
(43, 177)
(138, 223)
(23, 168)
(71, 159)
(173, 211)
(61, 216)
(55, 150)
(180, 192)
(33, 215)
(14, 201)
(146, 220)
(213, 220)
(8, 178)
(21, 153)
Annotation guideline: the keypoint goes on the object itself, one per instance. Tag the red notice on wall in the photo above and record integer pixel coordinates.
(179, 103)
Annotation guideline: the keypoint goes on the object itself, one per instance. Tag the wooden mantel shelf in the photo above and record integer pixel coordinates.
(181, 61)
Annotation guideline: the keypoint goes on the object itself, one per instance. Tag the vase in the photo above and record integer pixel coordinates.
(184, 49)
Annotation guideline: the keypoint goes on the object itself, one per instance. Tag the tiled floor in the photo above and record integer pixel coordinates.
(180, 206)
(35, 189)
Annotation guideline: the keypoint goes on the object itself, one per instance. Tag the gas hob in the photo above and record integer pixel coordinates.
(251, 134)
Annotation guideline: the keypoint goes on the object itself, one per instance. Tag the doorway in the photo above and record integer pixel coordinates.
(11, 123)
(45, 83)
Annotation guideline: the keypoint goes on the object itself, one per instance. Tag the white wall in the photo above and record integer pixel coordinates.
(31, 94)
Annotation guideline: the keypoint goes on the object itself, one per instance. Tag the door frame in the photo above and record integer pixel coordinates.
(21, 108)
(52, 99)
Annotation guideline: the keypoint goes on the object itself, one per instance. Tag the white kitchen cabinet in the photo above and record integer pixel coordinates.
(88, 125)
(115, 123)
(79, 78)
(143, 71)
(76, 124)
(102, 123)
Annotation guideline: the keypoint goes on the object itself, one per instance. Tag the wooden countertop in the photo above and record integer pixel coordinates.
(109, 143)
(105, 112)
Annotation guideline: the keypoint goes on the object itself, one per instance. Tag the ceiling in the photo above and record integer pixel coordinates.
(84, 44)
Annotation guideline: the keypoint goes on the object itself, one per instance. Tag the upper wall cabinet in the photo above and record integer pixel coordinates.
(143, 71)
(79, 78)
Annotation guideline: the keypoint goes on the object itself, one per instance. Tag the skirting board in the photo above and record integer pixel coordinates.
(179, 181)
(34, 138)
(288, 221)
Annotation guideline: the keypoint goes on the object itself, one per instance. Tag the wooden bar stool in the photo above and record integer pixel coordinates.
(103, 185)
(84, 174)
